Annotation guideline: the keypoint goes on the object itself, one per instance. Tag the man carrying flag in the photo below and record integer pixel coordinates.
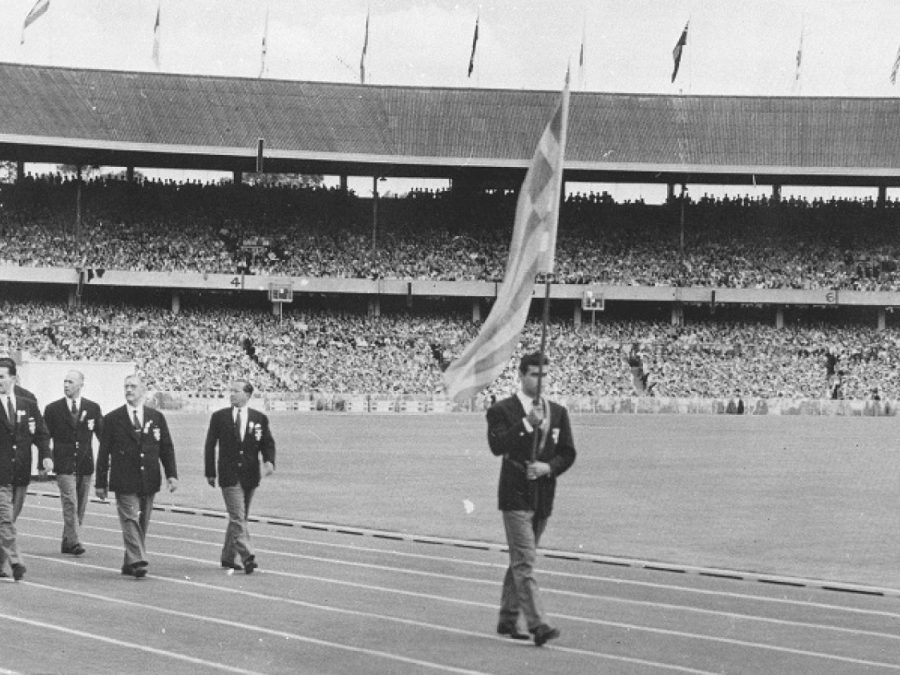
(532, 435)
(679, 48)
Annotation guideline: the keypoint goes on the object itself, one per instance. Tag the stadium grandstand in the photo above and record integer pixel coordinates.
(334, 300)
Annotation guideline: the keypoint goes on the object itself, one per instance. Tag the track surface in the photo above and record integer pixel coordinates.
(332, 602)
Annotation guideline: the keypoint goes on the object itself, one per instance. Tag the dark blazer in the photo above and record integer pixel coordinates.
(129, 460)
(16, 438)
(508, 437)
(72, 448)
(238, 460)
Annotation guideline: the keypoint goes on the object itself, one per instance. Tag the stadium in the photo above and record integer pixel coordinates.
(730, 363)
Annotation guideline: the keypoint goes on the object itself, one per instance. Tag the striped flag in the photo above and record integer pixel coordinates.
(474, 43)
(40, 8)
(156, 38)
(679, 48)
(262, 65)
(895, 68)
(362, 59)
(530, 253)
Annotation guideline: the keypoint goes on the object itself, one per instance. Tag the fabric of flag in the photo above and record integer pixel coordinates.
(530, 253)
(262, 65)
(799, 58)
(474, 44)
(37, 11)
(156, 38)
(679, 48)
(362, 59)
(895, 68)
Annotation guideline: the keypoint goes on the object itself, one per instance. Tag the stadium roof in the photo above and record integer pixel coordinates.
(70, 115)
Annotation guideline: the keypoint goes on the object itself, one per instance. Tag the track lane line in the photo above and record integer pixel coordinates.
(574, 618)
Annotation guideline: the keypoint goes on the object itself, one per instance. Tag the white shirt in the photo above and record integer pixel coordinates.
(139, 411)
(240, 416)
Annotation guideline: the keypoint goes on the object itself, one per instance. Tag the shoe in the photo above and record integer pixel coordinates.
(138, 570)
(18, 572)
(510, 630)
(230, 565)
(250, 565)
(543, 633)
(77, 549)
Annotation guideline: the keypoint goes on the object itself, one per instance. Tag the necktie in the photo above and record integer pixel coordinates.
(237, 423)
(74, 410)
(10, 409)
(135, 421)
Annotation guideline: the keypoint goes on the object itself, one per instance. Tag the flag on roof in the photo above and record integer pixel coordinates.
(530, 253)
(156, 38)
(262, 66)
(679, 48)
(799, 57)
(474, 43)
(895, 68)
(37, 11)
(362, 59)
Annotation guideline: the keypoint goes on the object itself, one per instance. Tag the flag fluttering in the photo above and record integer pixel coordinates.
(362, 59)
(262, 65)
(156, 38)
(679, 48)
(895, 68)
(531, 253)
(799, 57)
(37, 11)
(474, 44)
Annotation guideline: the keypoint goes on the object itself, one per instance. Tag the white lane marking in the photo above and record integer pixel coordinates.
(614, 624)
(122, 643)
(339, 610)
(556, 573)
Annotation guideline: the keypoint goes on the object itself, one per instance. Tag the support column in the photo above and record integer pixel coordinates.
(677, 314)
(176, 302)
(343, 180)
(776, 193)
(882, 318)
(129, 174)
(20, 171)
(882, 196)
(779, 317)
(576, 316)
(476, 311)
(374, 306)
(670, 192)
(73, 297)
(237, 177)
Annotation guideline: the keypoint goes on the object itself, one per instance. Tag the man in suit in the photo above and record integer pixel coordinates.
(21, 426)
(73, 422)
(534, 437)
(134, 442)
(243, 437)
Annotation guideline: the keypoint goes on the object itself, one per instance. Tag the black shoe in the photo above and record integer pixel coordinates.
(543, 633)
(18, 572)
(510, 630)
(77, 549)
(250, 565)
(230, 565)
(138, 570)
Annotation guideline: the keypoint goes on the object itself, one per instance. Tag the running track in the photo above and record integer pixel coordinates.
(333, 601)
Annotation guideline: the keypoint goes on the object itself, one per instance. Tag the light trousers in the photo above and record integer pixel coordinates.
(520, 589)
(134, 517)
(74, 492)
(9, 550)
(237, 534)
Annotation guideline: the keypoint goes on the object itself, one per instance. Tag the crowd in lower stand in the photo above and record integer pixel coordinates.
(308, 352)
(312, 231)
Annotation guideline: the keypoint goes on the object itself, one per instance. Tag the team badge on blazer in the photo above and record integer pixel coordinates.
(257, 430)
(555, 434)
(32, 426)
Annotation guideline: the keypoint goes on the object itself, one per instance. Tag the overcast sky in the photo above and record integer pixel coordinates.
(734, 46)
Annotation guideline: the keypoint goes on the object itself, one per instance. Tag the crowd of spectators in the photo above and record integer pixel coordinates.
(312, 231)
(309, 351)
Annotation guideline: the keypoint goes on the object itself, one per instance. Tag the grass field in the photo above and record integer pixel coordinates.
(815, 497)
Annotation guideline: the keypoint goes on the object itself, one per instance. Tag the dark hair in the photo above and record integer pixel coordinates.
(9, 364)
(534, 359)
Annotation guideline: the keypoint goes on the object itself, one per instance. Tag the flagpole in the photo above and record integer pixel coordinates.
(545, 319)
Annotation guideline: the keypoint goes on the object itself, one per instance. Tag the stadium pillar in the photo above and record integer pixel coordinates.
(882, 196)
(476, 311)
(374, 306)
(576, 317)
(670, 192)
(176, 302)
(237, 177)
(677, 314)
(129, 174)
(776, 193)
(779, 317)
(343, 179)
(882, 318)
(73, 297)
(20, 171)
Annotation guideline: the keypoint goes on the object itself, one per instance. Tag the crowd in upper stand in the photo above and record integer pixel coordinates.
(311, 231)
(199, 349)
